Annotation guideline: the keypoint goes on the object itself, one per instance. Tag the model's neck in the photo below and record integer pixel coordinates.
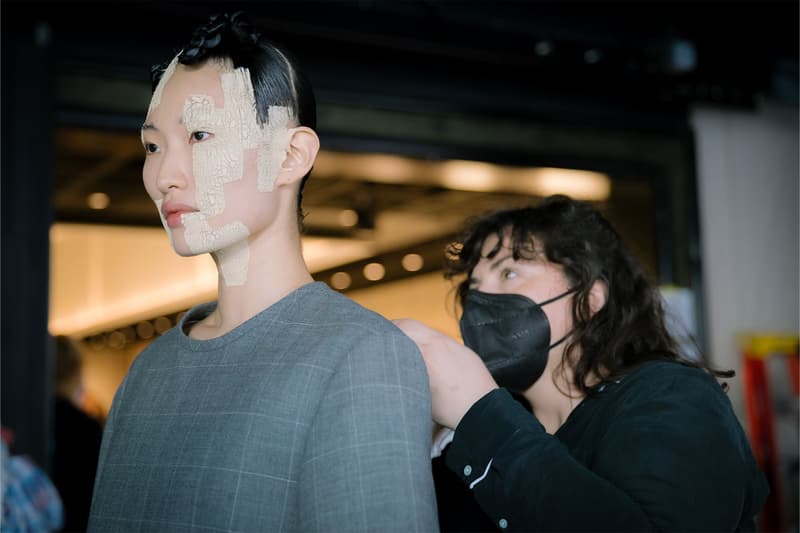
(274, 268)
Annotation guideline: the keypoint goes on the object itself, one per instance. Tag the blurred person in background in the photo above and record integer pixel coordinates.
(610, 428)
(30, 501)
(77, 438)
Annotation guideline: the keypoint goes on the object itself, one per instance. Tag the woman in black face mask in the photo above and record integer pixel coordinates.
(621, 432)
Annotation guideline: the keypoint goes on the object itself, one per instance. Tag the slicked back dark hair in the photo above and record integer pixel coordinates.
(628, 330)
(276, 77)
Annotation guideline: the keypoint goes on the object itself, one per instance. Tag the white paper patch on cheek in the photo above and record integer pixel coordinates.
(229, 241)
(216, 161)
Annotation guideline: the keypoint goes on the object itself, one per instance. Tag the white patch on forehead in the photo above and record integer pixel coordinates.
(168, 72)
(230, 242)
(235, 127)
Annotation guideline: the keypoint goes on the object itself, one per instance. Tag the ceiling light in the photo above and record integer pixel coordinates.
(578, 184)
(374, 271)
(462, 175)
(412, 262)
(592, 56)
(144, 329)
(162, 324)
(543, 48)
(469, 175)
(348, 218)
(340, 280)
(98, 200)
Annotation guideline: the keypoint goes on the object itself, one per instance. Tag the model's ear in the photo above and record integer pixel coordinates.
(301, 153)
(598, 295)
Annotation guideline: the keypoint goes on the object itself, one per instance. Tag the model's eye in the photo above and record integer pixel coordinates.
(198, 136)
(150, 148)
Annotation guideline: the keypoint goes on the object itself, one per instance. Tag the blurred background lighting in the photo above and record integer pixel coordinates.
(543, 48)
(116, 340)
(412, 262)
(374, 271)
(579, 184)
(144, 329)
(98, 200)
(162, 324)
(592, 56)
(348, 218)
(341, 280)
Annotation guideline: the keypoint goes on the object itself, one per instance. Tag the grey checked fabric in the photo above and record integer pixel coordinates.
(312, 416)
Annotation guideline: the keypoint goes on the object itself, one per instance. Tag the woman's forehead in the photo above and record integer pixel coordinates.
(497, 242)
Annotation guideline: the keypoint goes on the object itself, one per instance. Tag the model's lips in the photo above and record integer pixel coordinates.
(173, 213)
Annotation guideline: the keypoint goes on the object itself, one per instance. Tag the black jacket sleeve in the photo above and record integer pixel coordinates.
(671, 457)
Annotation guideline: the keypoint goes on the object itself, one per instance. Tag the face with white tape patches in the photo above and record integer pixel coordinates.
(210, 167)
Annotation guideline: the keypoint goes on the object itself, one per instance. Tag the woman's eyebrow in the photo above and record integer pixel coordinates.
(499, 261)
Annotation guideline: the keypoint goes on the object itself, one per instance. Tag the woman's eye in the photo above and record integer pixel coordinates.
(150, 148)
(198, 136)
(508, 274)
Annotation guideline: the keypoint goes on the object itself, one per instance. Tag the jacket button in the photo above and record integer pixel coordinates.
(467, 470)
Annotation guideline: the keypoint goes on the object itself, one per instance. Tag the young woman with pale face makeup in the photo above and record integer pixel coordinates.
(282, 405)
(569, 407)
(203, 175)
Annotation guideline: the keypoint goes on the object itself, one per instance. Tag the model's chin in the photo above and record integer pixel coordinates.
(180, 246)
(185, 252)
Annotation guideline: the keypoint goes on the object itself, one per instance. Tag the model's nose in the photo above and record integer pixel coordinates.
(174, 171)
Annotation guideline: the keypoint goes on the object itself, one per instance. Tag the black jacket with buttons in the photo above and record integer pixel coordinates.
(659, 450)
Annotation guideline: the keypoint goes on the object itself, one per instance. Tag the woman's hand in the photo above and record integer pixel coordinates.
(458, 378)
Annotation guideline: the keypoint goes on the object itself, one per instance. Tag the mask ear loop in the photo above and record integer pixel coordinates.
(553, 299)
(559, 341)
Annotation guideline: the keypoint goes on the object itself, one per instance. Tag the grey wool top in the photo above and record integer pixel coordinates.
(314, 415)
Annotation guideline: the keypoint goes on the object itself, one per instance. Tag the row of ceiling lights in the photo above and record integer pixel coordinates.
(143, 330)
(375, 271)
(147, 329)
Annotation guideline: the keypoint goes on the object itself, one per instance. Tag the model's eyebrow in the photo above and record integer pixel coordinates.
(152, 127)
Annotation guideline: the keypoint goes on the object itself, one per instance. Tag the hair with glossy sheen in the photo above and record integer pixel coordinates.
(277, 80)
(628, 330)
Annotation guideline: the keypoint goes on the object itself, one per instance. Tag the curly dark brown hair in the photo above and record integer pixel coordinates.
(628, 330)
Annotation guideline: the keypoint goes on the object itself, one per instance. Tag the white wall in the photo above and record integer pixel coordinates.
(747, 165)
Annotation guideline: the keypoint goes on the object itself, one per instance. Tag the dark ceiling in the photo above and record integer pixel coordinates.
(632, 52)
